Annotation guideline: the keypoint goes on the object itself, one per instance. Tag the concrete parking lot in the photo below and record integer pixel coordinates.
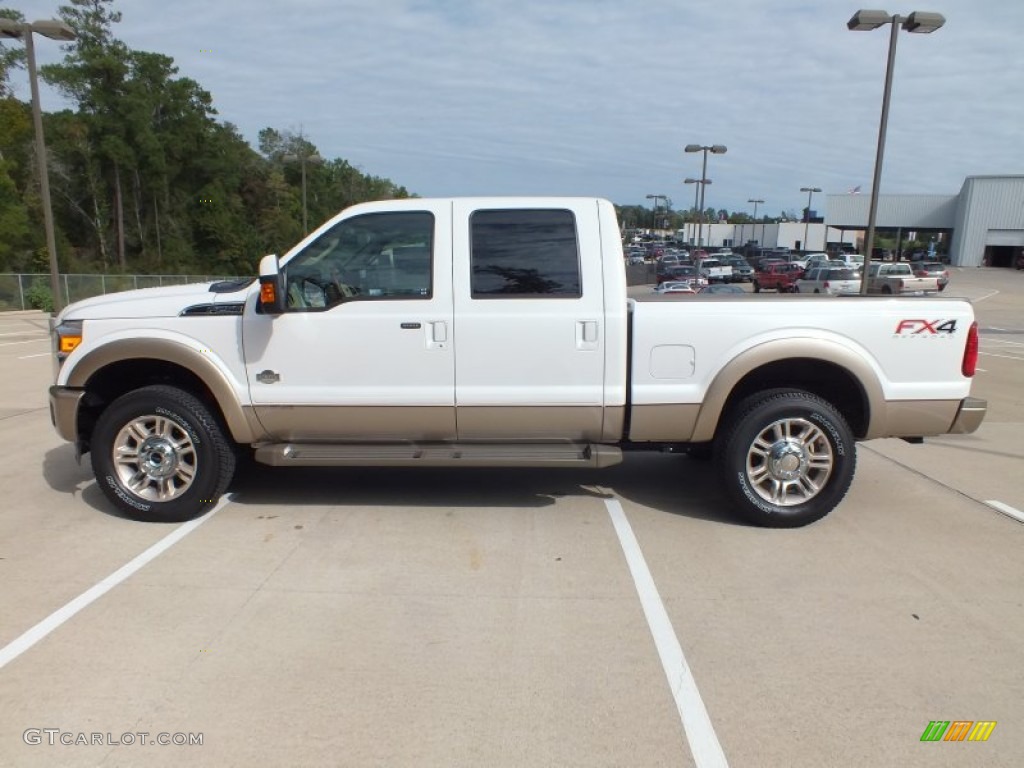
(506, 618)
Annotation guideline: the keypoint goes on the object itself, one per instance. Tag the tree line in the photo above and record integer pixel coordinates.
(143, 176)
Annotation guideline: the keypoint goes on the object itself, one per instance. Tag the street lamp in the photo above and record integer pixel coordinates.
(865, 21)
(699, 192)
(302, 159)
(656, 198)
(755, 202)
(55, 30)
(716, 149)
(807, 216)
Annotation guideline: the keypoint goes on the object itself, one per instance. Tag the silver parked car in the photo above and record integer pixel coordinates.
(835, 281)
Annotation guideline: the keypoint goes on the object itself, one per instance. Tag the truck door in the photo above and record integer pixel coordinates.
(363, 350)
(530, 329)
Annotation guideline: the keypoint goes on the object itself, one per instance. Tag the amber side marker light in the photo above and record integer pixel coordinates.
(267, 293)
(970, 363)
(69, 343)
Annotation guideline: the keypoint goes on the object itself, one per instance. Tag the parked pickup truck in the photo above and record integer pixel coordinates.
(778, 276)
(889, 278)
(494, 332)
(715, 271)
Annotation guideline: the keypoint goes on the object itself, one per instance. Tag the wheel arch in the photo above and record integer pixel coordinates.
(122, 366)
(834, 372)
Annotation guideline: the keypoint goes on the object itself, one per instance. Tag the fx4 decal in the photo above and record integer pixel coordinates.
(925, 327)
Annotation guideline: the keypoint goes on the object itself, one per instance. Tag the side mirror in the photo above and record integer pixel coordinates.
(271, 300)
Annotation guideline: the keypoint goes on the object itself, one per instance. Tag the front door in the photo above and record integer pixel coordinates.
(363, 350)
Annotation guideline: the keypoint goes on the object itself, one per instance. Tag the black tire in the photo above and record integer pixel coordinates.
(787, 457)
(170, 445)
(886, 290)
(757, 287)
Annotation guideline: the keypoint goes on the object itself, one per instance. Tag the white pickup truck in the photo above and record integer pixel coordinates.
(494, 332)
(898, 278)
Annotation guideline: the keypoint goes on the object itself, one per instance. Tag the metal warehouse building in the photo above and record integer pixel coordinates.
(984, 224)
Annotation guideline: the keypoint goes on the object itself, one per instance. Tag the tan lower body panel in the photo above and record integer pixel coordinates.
(663, 423)
(438, 424)
(346, 422)
(555, 422)
(915, 418)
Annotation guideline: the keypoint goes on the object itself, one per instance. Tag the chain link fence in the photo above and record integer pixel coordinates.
(23, 291)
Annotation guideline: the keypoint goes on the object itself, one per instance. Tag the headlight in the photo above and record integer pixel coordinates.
(66, 338)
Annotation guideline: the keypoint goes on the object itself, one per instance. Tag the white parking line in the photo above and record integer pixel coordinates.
(30, 341)
(41, 354)
(1007, 510)
(19, 645)
(707, 751)
(988, 354)
(32, 332)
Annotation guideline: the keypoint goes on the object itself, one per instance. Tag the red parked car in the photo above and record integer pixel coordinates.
(780, 276)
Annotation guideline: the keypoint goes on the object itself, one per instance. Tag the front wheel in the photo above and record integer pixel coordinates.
(788, 458)
(159, 455)
(757, 287)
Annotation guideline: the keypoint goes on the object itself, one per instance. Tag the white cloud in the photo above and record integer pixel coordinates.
(594, 97)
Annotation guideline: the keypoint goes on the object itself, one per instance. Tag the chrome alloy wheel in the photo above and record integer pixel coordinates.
(789, 462)
(154, 458)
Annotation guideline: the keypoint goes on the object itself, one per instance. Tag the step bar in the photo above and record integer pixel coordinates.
(438, 455)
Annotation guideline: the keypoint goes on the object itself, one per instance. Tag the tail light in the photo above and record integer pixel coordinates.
(970, 363)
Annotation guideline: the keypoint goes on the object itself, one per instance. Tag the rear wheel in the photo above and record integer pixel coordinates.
(788, 458)
(757, 287)
(160, 455)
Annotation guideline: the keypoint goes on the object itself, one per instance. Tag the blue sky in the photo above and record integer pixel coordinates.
(590, 97)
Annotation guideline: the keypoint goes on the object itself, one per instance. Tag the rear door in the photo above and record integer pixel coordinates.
(530, 331)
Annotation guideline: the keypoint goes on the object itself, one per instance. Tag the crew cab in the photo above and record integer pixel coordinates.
(898, 278)
(494, 332)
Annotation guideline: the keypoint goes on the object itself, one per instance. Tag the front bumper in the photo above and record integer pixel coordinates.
(64, 402)
(969, 416)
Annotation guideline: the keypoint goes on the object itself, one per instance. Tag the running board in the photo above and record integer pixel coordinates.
(438, 455)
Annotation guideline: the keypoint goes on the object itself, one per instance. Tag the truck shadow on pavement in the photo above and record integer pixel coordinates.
(673, 484)
(667, 483)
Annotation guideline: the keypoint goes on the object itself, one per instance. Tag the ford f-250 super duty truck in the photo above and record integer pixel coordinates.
(494, 332)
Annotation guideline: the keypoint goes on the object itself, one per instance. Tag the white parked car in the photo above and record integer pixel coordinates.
(834, 281)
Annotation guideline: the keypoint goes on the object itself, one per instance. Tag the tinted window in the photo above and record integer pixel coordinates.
(842, 274)
(524, 253)
(373, 256)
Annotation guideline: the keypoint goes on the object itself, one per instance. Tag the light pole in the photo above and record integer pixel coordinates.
(865, 21)
(302, 159)
(716, 149)
(656, 198)
(755, 202)
(807, 216)
(55, 30)
(698, 192)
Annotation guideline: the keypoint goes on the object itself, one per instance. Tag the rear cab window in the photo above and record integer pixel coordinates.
(524, 253)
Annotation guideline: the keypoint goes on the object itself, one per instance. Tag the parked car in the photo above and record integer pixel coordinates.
(779, 276)
(684, 273)
(898, 278)
(835, 282)
(721, 288)
(934, 269)
(742, 272)
(812, 260)
(675, 286)
(715, 271)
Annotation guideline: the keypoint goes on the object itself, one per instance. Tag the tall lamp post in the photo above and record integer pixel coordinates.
(807, 217)
(716, 149)
(698, 192)
(756, 202)
(865, 21)
(302, 159)
(55, 30)
(656, 198)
